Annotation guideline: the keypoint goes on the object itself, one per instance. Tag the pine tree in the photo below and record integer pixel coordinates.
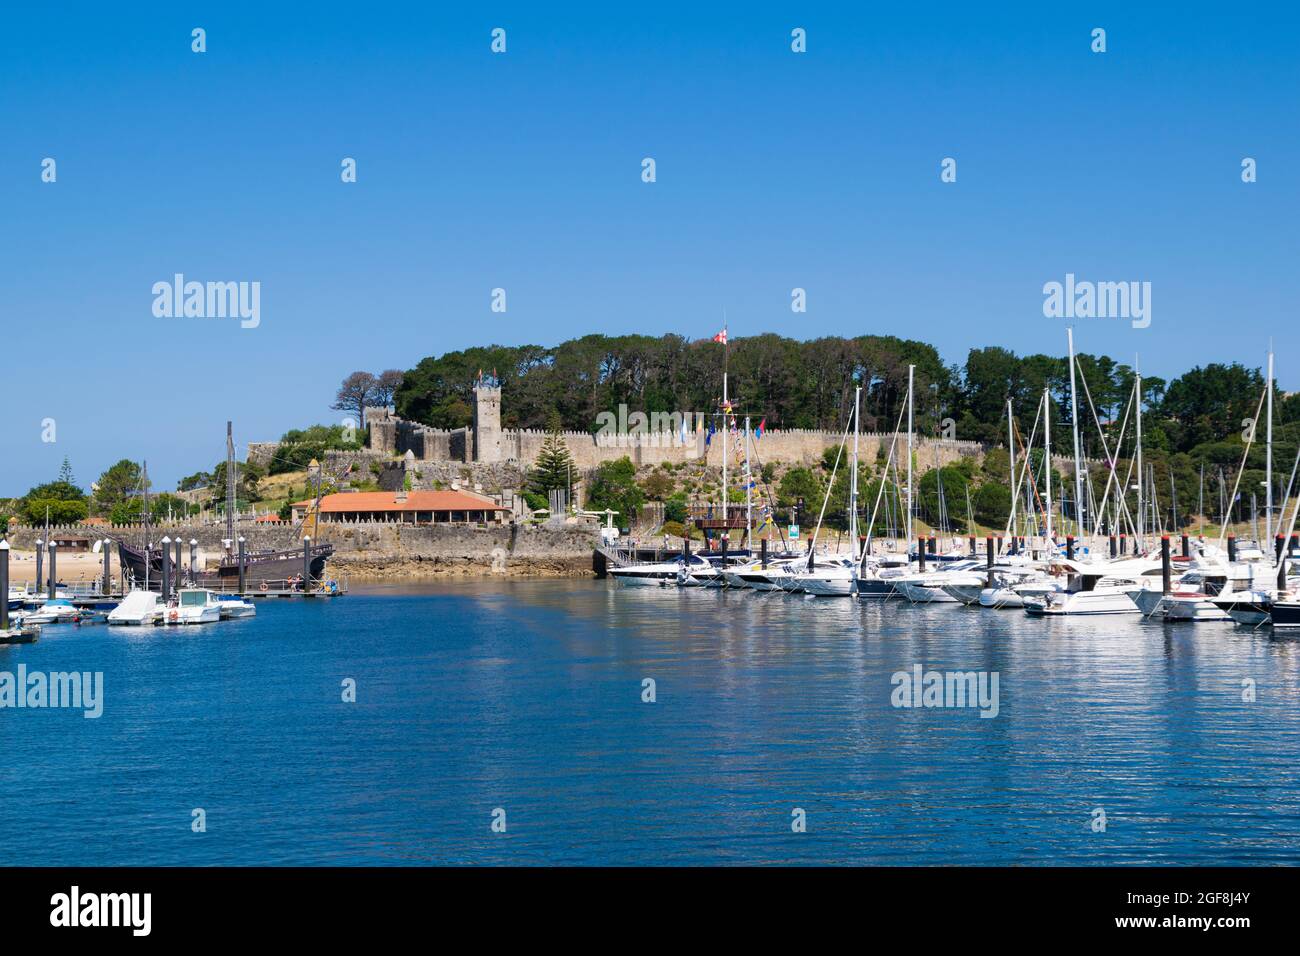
(65, 472)
(554, 466)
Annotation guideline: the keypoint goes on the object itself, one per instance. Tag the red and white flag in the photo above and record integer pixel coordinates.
(721, 337)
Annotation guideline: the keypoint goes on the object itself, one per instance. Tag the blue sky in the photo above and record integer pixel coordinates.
(522, 171)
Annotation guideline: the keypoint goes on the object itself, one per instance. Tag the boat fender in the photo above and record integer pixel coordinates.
(264, 586)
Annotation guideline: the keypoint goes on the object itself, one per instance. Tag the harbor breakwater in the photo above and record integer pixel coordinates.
(381, 549)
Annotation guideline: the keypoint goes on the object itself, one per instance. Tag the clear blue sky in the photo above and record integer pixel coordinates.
(775, 170)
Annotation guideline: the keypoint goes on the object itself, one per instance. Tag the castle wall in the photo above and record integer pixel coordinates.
(487, 442)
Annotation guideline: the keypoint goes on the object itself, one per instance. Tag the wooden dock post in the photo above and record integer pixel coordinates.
(243, 567)
(107, 546)
(306, 563)
(54, 574)
(39, 580)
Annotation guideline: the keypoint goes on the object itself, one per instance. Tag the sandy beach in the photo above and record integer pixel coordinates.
(73, 568)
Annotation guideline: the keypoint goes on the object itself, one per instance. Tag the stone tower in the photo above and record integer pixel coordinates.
(487, 422)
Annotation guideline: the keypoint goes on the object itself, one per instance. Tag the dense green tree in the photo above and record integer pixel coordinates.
(116, 485)
(554, 467)
(61, 500)
(613, 485)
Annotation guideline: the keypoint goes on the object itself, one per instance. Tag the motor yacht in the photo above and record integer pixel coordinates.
(1093, 589)
(193, 606)
(658, 574)
(927, 587)
(828, 577)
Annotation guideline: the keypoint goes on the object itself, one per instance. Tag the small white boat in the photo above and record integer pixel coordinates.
(193, 606)
(236, 607)
(137, 608)
(56, 611)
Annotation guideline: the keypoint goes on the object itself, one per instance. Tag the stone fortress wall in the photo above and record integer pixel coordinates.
(487, 441)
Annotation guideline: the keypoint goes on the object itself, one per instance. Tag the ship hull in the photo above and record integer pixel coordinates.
(269, 568)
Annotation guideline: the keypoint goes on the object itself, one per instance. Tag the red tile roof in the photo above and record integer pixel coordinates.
(415, 501)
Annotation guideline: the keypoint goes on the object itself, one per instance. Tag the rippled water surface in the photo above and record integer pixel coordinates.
(527, 696)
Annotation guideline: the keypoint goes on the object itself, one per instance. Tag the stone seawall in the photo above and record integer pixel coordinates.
(387, 549)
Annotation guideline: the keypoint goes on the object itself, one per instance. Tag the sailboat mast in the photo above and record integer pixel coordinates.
(1200, 503)
(853, 477)
(1137, 384)
(1011, 450)
(1047, 458)
(1268, 460)
(726, 412)
(1078, 458)
(911, 371)
(230, 482)
(148, 546)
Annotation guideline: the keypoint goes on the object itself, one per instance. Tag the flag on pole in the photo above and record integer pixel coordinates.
(708, 439)
(721, 337)
(762, 426)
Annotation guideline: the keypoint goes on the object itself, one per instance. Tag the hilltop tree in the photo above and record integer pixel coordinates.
(116, 485)
(355, 394)
(386, 386)
(62, 501)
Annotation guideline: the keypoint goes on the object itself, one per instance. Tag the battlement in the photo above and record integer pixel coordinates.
(486, 441)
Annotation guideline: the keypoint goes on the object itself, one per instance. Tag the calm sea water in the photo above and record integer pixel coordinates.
(527, 696)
